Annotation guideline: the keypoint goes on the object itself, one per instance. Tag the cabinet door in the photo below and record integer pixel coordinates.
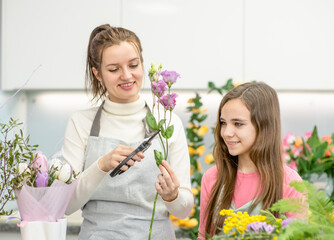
(201, 40)
(47, 40)
(289, 43)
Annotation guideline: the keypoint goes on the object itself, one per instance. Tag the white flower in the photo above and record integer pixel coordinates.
(65, 173)
(56, 164)
(23, 167)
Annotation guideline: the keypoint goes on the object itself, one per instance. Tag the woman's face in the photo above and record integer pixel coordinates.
(121, 72)
(237, 130)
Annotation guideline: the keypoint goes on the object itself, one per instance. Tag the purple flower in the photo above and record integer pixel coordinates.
(42, 179)
(168, 101)
(169, 77)
(285, 222)
(268, 228)
(158, 88)
(259, 226)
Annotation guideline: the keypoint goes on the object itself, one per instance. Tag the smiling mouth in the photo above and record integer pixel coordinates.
(127, 84)
(232, 143)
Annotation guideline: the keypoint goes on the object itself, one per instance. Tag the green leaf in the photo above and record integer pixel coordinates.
(151, 122)
(161, 123)
(158, 157)
(169, 131)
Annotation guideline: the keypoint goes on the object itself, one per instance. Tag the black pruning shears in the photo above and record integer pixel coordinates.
(142, 148)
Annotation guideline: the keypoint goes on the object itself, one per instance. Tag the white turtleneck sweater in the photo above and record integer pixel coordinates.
(123, 122)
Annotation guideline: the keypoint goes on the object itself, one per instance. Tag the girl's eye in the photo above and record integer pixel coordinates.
(222, 122)
(238, 124)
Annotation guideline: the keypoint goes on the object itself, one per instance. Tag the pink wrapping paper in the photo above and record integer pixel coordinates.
(44, 203)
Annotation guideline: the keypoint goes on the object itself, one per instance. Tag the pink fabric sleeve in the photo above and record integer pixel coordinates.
(208, 180)
(290, 175)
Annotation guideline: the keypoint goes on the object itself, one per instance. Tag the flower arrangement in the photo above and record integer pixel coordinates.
(163, 100)
(310, 154)
(43, 191)
(314, 220)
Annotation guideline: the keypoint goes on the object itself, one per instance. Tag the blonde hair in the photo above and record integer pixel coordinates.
(266, 153)
(102, 37)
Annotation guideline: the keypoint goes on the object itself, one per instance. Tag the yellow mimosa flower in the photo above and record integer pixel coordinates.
(200, 150)
(202, 130)
(203, 111)
(190, 100)
(191, 170)
(192, 211)
(237, 84)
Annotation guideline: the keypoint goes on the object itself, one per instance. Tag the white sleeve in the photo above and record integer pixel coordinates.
(180, 163)
(73, 152)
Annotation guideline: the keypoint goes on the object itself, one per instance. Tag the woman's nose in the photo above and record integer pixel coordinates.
(228, 131)
(126, 74)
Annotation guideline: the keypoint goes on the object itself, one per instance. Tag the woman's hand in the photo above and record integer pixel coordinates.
(116, 156)
(168, 185)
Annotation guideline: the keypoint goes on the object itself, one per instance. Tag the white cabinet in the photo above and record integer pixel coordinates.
(201, 40)
(290, 43)
(52, 37)
(285, 43)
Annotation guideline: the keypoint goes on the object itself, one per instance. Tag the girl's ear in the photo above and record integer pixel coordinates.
(97, 75)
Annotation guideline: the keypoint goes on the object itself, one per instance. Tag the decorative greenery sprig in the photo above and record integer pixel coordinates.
(161, 83)
(14, 149)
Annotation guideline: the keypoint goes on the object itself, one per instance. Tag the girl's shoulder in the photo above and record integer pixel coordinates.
(210, 175)
(290, 175)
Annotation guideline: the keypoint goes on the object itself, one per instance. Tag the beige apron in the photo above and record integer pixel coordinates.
(121, 207)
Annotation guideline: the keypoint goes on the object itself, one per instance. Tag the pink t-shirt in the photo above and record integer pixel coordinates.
(245, 190)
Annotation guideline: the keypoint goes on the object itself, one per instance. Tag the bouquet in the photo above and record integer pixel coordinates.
(43, 192)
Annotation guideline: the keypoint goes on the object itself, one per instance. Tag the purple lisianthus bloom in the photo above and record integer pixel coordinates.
(169, 77)
(158, 88)
(268, 228)
(42, 179)
(285, 222)
(168, 101)
(254, 226)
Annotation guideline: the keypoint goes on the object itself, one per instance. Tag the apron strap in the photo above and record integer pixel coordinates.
(95, 130)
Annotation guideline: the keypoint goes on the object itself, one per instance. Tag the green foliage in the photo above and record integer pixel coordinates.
(316, 223)
(226, 87)
(14, 149)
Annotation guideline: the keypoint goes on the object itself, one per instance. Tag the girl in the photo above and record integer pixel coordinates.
(249, 174)
(98, 139)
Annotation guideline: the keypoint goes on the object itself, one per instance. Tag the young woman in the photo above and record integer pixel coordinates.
(98, 139)
(249, 174)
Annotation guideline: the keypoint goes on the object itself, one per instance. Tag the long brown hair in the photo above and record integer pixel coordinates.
(102, 37)
(262, 102)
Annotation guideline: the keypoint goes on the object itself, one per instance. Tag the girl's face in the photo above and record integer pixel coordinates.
(237, 130)
(121, 72)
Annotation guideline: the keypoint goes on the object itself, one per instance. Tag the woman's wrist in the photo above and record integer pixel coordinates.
(101, 164)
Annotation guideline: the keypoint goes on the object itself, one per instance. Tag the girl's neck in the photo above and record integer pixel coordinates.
(246, 165)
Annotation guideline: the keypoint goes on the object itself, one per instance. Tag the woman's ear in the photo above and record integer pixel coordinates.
(97, 75)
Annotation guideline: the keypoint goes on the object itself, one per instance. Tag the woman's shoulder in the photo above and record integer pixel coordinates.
(83, 117)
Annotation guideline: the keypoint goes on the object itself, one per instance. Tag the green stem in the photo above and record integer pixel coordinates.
(155, 202)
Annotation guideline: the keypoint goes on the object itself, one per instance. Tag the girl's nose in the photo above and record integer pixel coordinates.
(227, 131)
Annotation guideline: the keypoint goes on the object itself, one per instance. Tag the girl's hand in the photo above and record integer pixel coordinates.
(168, 185)
(116, 156)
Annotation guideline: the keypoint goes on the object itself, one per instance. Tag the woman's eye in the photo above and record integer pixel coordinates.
(113, 70)
(134, 66)
(222, 122)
